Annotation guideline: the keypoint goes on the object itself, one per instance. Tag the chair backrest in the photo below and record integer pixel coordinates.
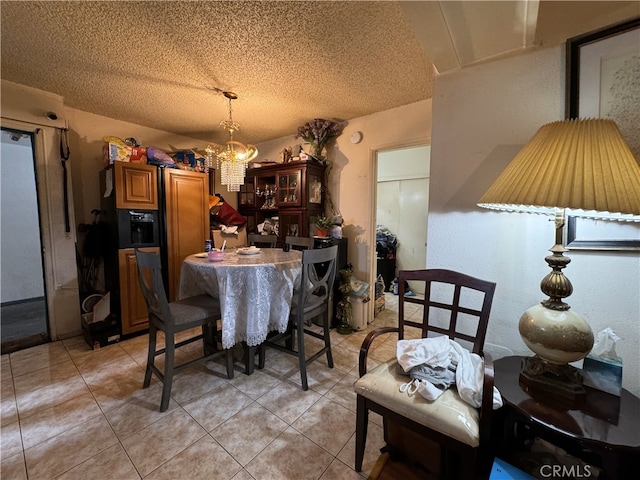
(316, 282)
(454, 304)
(152, 286)
(233, 241)
(299, 243)
(259, 240)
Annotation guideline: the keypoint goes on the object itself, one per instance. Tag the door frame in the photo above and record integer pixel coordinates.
(40, 219)
(60, 284)
(373, 155)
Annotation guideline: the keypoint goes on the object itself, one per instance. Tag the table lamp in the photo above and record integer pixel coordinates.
(581, 168)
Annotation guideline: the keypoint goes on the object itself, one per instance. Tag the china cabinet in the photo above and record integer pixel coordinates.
(289, 195)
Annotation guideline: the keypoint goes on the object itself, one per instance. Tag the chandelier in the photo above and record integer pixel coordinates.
(233, 157)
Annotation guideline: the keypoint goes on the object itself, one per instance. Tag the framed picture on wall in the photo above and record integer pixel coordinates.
(603, 81)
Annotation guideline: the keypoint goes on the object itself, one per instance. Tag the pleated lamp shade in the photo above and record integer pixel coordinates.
(582, 165)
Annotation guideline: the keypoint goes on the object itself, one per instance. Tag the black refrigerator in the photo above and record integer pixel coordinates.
(156, 209)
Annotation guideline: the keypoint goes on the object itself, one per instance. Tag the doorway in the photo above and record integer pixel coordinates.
(23, 305)
(402, 205)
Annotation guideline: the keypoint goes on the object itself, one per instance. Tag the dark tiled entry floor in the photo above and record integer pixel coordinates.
(24, 324)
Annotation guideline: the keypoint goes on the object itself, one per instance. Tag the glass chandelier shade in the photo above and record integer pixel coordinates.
(233, 157)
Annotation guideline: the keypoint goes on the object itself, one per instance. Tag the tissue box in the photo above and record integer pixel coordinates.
(602, 374)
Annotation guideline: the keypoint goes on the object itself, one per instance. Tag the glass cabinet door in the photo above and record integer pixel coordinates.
(289, 188)
(291, 224)
(315, 189)
(247, 192)
(265, 192)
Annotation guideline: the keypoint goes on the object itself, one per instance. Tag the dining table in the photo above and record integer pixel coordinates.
(254, 289)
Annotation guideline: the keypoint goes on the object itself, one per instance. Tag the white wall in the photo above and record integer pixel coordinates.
(482, 117)
(22, 276)
(86, 133)
(404, 163)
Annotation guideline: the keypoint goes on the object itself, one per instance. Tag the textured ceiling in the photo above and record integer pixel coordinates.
(154, 63)
(150, 63)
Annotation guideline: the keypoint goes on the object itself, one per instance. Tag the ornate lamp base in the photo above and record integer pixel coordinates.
(558, 382)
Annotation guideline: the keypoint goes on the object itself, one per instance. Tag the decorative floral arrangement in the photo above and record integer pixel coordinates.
(317, 133)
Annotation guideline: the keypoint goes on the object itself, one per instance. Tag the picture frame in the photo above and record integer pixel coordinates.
(598, 76)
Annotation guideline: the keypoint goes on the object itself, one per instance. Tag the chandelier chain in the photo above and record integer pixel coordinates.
(232, 158)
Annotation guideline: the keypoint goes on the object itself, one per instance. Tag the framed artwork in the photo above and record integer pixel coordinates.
(603, 81)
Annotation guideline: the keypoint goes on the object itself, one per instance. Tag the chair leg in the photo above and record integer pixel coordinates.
(208, 339)
(302, 361)
(327, 338)
(169, 362)
(469, 468)
(228, 355)
(362, 422)
(288, 339)
(261, 355)
(151, 355)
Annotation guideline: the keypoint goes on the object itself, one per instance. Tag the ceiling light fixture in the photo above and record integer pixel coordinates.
(233, 157)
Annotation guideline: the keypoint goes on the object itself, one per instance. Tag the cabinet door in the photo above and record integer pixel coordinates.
(292, 223)
(314, 187)
(266, 188)
(133, 309)
(136, 185)
(187, 213)
(288, 193)
(247, 194)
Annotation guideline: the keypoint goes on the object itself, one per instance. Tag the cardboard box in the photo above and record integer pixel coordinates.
(602, 374)
(114, 152)
(138, 155)
(379, 306)
(102, 333)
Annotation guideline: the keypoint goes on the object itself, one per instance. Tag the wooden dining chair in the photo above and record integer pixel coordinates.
(264, 241)
(311, 300)
(172, 318)
(449, 429)
(299, 243)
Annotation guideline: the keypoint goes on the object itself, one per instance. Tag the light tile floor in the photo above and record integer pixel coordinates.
(69, 412)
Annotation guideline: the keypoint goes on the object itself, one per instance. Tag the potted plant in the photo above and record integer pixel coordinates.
(323, 225)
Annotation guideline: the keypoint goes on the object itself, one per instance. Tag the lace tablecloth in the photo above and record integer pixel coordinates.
(254, 290)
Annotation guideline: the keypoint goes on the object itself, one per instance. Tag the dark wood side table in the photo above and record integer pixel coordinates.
(603, 431)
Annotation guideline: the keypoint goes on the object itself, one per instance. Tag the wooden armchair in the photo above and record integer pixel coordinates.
(457, 431)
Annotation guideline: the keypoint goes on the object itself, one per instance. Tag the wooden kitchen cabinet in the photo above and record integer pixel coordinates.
(291, 194)
(136, 185)
(162, 209)
(133, 309)
(187, 213)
